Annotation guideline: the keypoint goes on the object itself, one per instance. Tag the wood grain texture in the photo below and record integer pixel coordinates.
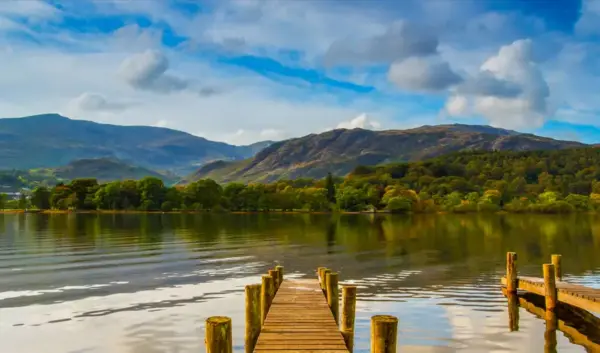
(572, 294)
(300, 320)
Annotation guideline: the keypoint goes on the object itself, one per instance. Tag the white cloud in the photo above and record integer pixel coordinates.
(161, 123)
(457, 106)
(513, 67)
(589, 19)
(423, 74)
(360, 122)
(95, 102)
(147, 71)
(133, 38)
(485, 83)
(272, 134)
(401, 40)
(31, 10)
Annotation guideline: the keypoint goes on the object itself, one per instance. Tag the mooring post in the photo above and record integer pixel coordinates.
(348, 315)
(218, 335)
(513, 311)
(253, 316)
(511, 272)
(333, 295)
(267, 292)
(384, 332)
(325, 272)
(275, 275)
(556, 261)
(550, 286)
(280, 270)
(550, 332)
(321, 277)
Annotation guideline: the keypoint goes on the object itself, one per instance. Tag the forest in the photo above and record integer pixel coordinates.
(558, 181)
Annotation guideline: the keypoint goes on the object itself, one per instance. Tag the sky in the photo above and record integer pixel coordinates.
(250, 70)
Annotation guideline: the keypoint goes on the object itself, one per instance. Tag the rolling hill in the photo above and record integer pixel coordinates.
(340, 151)
(103, 169)
(51, 140)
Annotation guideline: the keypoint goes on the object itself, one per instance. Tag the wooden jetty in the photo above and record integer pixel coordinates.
(300, 320)
(578, 325)
(551, 286)
(300, 316)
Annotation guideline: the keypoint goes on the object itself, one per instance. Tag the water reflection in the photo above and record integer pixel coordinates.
(579, 326)
(132, 283)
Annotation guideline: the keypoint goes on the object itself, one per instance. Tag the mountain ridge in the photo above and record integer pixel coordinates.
(52, 140)
(340, 150)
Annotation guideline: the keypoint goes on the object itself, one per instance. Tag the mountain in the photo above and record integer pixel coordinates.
(340, 151)
(258, 146)
(51, 140)
(103, 169)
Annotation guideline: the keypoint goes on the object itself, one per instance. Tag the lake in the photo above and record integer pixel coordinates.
(128, 283)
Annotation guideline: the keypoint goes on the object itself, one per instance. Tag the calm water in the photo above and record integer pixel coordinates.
(146, 283)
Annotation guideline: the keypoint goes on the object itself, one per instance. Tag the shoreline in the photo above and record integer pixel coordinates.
(182, 212)
(378, 212)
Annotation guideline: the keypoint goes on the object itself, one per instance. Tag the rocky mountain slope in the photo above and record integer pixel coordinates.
(340, 151)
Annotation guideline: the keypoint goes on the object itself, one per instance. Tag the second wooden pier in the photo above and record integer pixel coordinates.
(551, 286)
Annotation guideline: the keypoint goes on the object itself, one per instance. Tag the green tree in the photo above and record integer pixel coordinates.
(399, 204)
(23, 202)
(205, 194)
(233, 196)
(3, 199)
(330, 186)
(84, 190)
(152, 193)
(40, 197)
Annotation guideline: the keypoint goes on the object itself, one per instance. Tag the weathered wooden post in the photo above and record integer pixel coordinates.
(550, 286)
(280, 269)
(267, 292)
(511, 272)
(218, 335)
(557, 262)
(550, 332)
(253, 316)
(513, 311)
(321, 277)
(348, 315)
(275, 275)
(384, 332)
(325, 272)
(333, 295)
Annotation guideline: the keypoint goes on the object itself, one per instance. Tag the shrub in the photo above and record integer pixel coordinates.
(399, 204)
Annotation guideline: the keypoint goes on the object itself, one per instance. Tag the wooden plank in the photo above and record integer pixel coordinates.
(307, 345)
(572, 294)
(300, 320)
(293, 336)
(302, 351)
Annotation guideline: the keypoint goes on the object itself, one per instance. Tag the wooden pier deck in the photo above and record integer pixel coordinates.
(578, 325)
(300, 320)
(572, 294)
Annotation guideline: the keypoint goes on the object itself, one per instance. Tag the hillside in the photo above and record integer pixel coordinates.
(340, 151)
(51, 140)
(103, 169)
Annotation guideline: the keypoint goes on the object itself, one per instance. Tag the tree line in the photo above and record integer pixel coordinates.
(536, 181)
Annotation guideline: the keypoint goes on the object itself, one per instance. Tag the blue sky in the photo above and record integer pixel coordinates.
(248, 70)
